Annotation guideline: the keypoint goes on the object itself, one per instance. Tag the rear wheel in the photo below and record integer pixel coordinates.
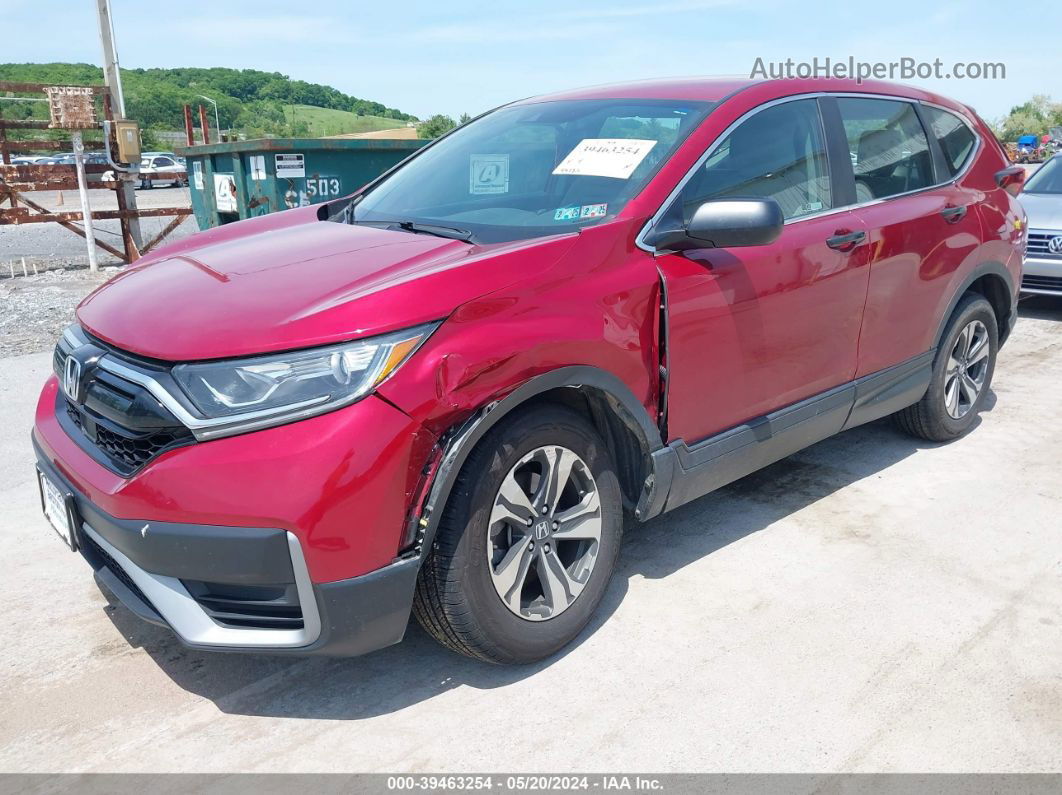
(527, 542)
(962, 374)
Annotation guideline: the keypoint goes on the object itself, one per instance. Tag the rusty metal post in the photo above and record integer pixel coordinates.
(205, 124)
(189, 130)
(125, 224)
(5, 158)
(112, 79)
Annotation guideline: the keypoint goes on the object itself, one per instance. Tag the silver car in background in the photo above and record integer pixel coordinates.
(1042, 199)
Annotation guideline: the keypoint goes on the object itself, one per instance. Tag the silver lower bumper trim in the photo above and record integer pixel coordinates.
(184, 615)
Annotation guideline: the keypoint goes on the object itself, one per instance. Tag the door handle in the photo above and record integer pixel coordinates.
(953, 213)
(846, 241)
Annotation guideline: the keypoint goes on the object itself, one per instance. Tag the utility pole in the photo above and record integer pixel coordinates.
(112, 79)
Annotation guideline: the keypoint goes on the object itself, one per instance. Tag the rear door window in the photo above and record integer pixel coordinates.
(889, 149)
(956, 139)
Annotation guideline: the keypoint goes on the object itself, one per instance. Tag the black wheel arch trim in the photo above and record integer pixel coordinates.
(984, 269)
(462, 439)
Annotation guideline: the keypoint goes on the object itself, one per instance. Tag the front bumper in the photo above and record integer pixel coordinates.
(307, 520)
(1042, 276)
(159, 569)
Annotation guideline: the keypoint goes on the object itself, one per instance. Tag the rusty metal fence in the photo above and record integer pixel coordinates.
(71, 108)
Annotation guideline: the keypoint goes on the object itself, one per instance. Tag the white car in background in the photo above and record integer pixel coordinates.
(156, 167)
(1042, 199)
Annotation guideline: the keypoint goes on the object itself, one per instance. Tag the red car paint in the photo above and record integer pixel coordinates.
(750, 330)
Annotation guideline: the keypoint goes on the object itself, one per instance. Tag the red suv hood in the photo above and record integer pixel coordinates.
(283, 285)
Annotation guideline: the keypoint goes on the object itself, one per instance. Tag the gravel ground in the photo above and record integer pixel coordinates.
(37, 308)
(50, 245)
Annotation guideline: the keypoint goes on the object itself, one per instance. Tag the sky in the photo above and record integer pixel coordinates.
(457, 56)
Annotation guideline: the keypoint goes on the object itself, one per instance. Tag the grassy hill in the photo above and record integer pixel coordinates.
(328, 121)
(250, 102)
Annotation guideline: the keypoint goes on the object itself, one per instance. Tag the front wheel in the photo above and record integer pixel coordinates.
(527, 542)
(962, 374)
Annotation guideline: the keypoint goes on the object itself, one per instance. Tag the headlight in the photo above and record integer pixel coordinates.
(311, 381)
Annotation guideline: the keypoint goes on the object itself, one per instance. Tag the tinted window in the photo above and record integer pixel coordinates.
(163, 161)
(956, 139)
(536, 169)
(777, 153)
(1047, 179)
(888, 147)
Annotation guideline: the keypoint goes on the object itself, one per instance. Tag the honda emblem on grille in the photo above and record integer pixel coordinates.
(1054, 245)
(72, 377)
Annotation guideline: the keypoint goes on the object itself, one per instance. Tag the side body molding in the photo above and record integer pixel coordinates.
(685, 472)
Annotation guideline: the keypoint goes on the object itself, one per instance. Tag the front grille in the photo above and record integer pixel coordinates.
(123, 450)
(248, 606)
(118, 422)
(1030, 282)
(129, 452)
(1037, 245)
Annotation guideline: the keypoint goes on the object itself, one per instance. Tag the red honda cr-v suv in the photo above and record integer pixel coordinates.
(443, 393)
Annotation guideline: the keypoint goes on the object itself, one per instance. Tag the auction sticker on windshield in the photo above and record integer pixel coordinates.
(488, 174)
(605, 157)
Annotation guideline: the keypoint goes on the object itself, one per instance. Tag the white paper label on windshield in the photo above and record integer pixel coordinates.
(605, 157)
(488, 174)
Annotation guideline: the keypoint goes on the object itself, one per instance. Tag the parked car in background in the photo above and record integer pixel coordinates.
(160, 168)
(1042, 199)
(443, 393)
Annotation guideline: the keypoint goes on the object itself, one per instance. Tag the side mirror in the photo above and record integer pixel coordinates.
(1011, 179)
(724, 223)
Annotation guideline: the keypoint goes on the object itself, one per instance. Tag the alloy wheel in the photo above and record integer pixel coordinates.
(967, 368)
(544, 533)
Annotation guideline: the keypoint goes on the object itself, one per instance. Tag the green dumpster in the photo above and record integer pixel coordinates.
(241, 179)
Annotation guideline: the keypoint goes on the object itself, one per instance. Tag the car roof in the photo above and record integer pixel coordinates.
(717, 89)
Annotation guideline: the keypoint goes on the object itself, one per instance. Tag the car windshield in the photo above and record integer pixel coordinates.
(1047, 179)
(531, 170)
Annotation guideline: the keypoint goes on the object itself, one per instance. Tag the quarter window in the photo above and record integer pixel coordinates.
(956, 139)
(888, 147)
(778, 154)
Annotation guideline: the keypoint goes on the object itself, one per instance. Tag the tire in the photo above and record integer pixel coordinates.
(459, 595)
(947, 411)
(145, 184)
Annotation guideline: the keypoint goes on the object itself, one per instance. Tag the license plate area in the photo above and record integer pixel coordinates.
(59, 510)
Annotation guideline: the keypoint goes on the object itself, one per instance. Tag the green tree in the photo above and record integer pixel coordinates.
(1034, 117)
(435, 126)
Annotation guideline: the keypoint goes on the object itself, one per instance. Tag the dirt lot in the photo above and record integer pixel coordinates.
(872, 603)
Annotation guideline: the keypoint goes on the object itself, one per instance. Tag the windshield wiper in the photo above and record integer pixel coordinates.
(451, 232)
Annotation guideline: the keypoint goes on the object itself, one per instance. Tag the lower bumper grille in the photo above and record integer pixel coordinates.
(1030, 282)
(248, 606)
